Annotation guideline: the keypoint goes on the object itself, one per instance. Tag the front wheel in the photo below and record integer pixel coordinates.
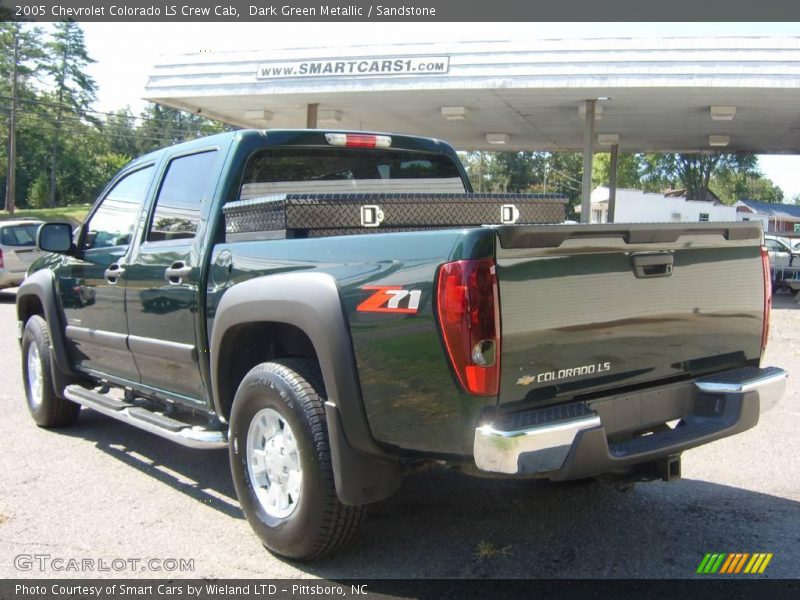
(45, 406)
(281, 463)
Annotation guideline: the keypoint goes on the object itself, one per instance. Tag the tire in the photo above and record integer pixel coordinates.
(45, 406)
(281, 462)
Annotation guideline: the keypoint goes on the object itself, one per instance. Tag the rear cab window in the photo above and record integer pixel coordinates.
(293, 170)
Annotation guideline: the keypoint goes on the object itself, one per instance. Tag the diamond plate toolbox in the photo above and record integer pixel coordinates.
(311, 215)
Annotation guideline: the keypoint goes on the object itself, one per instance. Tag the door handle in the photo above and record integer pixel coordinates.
(177, 272)
(652, 264)
(113, 273)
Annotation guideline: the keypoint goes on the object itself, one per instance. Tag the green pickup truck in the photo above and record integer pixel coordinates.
(338, 309)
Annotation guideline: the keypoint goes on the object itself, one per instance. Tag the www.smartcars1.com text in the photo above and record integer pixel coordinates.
(265, 11)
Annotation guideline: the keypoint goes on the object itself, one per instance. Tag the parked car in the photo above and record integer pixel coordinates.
(784, 261)
(17, 249)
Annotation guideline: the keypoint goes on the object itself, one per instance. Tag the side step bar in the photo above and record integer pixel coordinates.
(153, 422)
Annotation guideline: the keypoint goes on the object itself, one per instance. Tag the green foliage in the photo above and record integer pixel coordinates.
(694, 171)
(66, 61)
(163, 126)
(731, 177)
(55, 119)
(38, 192)
(519, 171)
(533, 172)
(120, 132)
(21, 53)
(630, 171)
(74, 214)
(731, 187)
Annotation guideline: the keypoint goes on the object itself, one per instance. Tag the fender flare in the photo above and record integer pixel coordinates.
(41, 285)
(311, 302)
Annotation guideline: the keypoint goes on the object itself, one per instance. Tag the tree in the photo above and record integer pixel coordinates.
(74, 89)
(478, 165)
(694, 171)
(162, 126)
(731, 187)
(630, 170)
(519, 171)
(119, 128)
(536, 172)
(20, 50)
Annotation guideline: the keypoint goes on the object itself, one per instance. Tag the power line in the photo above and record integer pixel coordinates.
(72, 124)
(72, 128)
(168, 126)
(552, 170)
(97, 112)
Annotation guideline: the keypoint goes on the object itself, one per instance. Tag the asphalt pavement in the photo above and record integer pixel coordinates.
(119, 502)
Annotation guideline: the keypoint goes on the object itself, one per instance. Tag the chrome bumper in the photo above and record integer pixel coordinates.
(770, 383)
(546, 437)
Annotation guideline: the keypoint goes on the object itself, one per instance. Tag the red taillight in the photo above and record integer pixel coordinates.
(358, 140)
(1, 259)
(469, 315)
(767, 297)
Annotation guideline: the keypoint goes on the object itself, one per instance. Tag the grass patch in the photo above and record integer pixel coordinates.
(73, 214)
(486, 550)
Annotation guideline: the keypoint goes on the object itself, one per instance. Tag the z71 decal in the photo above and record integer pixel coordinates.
(390, 299)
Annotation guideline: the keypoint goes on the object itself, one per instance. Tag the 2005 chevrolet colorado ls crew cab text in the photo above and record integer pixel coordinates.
(337, 308)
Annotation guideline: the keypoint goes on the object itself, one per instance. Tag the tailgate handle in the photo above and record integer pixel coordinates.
(652, 264)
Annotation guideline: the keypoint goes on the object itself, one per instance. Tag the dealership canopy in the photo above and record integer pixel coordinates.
(739, 93)
(683, 94)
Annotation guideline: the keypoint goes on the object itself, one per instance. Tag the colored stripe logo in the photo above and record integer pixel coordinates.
(722, 563)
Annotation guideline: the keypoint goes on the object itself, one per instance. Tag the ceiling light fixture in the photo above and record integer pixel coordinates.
(455, 113)
(723, 113)
(329, 116)
(719, 141)
(608, 139)
(497, 138)
(258, 115)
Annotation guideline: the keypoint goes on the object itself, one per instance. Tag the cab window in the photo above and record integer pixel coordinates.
(113, 222)
(178, 206)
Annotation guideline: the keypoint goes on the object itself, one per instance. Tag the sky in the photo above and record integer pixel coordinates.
(125, 52)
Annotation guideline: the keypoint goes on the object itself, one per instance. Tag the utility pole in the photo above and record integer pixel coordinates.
(588, 149)
(11, 180)
(612, 184)
(546, 160)
(311, 115)
(57, 131)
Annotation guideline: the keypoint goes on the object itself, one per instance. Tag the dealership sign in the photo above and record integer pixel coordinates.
(385, 65)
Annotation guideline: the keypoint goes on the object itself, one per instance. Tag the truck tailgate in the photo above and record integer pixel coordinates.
(594, 307)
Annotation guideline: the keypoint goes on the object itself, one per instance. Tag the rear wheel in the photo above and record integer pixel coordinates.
(46, 408)
(281, 463)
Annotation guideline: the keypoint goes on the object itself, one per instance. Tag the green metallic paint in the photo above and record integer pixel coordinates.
(164, 312)
(411, 396)
(587, 310)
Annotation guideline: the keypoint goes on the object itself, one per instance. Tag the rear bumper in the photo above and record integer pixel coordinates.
(598, 436)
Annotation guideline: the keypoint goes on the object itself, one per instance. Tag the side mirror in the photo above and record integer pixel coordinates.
(55, 237)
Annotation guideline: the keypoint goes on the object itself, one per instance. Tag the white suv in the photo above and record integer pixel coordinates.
(17, 249)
